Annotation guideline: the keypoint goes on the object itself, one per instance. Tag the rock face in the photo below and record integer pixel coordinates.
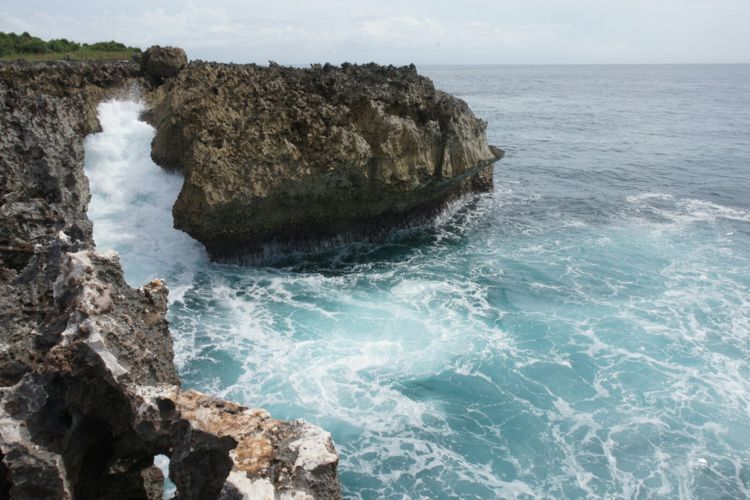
(159, 63)
(276, 154)
(88, 390)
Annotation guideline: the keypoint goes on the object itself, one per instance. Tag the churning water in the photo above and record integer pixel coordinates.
(584, 330)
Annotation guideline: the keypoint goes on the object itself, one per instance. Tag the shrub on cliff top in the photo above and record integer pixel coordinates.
(24, 43)
(110, 46)
(63, 45)
(13, 44)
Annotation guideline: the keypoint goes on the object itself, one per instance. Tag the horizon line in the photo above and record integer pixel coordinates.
(512, 64)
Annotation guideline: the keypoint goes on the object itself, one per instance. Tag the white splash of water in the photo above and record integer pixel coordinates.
(132, 198)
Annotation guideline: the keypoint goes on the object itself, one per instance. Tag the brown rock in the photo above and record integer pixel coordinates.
(277, 154)
(159, 63)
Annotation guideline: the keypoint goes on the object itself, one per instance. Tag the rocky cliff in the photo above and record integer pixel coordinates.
(88, 389)
(279, 154)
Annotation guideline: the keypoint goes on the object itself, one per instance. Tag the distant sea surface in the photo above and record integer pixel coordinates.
(582, 331)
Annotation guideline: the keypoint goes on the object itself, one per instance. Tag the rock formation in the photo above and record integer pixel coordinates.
(278, 154)
(158, 63)
(88, 390)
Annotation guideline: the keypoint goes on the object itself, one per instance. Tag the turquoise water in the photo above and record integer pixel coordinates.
(582, 331)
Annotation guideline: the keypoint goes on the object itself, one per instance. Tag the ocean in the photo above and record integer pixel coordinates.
(582, 331)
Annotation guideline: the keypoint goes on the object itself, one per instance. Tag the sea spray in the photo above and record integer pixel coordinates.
(131, 199)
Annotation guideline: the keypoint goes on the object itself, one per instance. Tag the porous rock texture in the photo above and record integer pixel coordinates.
(159, 63)
(88, 390)
(289, 155)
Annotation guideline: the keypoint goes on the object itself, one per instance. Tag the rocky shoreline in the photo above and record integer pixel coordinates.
(89, 393)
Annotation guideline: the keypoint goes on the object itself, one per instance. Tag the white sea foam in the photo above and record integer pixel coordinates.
(687, 210)
(545, 359)
(131, 199)
(701, 210)
(637, 198)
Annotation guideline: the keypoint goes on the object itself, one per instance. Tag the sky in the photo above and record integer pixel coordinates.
(404, 31)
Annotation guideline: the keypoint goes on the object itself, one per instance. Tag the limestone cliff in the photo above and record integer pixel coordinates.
(88, 389)
(279, 154)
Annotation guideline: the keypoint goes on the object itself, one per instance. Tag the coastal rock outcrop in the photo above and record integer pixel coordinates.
(89, 393)
(289, 155)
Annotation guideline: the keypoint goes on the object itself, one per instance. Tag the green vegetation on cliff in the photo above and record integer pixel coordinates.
(26, 46)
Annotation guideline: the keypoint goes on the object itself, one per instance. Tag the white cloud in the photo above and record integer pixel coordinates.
(402, 31)
(197, 27)
(475, 31)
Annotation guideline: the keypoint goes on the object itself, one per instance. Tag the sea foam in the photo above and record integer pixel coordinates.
(582, 331)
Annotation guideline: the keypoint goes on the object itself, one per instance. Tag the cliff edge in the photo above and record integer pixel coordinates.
(290, 155)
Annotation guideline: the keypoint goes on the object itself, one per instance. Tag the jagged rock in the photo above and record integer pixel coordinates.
(277, 154)
(88, 389)
(286, 459)
(159, 63)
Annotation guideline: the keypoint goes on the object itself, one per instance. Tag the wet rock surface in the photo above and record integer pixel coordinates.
(88, 389)
(288, 155)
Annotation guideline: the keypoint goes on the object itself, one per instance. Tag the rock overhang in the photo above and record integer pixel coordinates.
(292, 155)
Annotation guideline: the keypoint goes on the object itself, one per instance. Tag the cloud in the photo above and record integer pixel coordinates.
(398, 31)
(202, 28)
(402, 31)
(191, 26)
(405, 32)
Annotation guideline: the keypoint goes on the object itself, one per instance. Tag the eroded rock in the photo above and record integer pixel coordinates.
(278, 154)
(88, 389)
